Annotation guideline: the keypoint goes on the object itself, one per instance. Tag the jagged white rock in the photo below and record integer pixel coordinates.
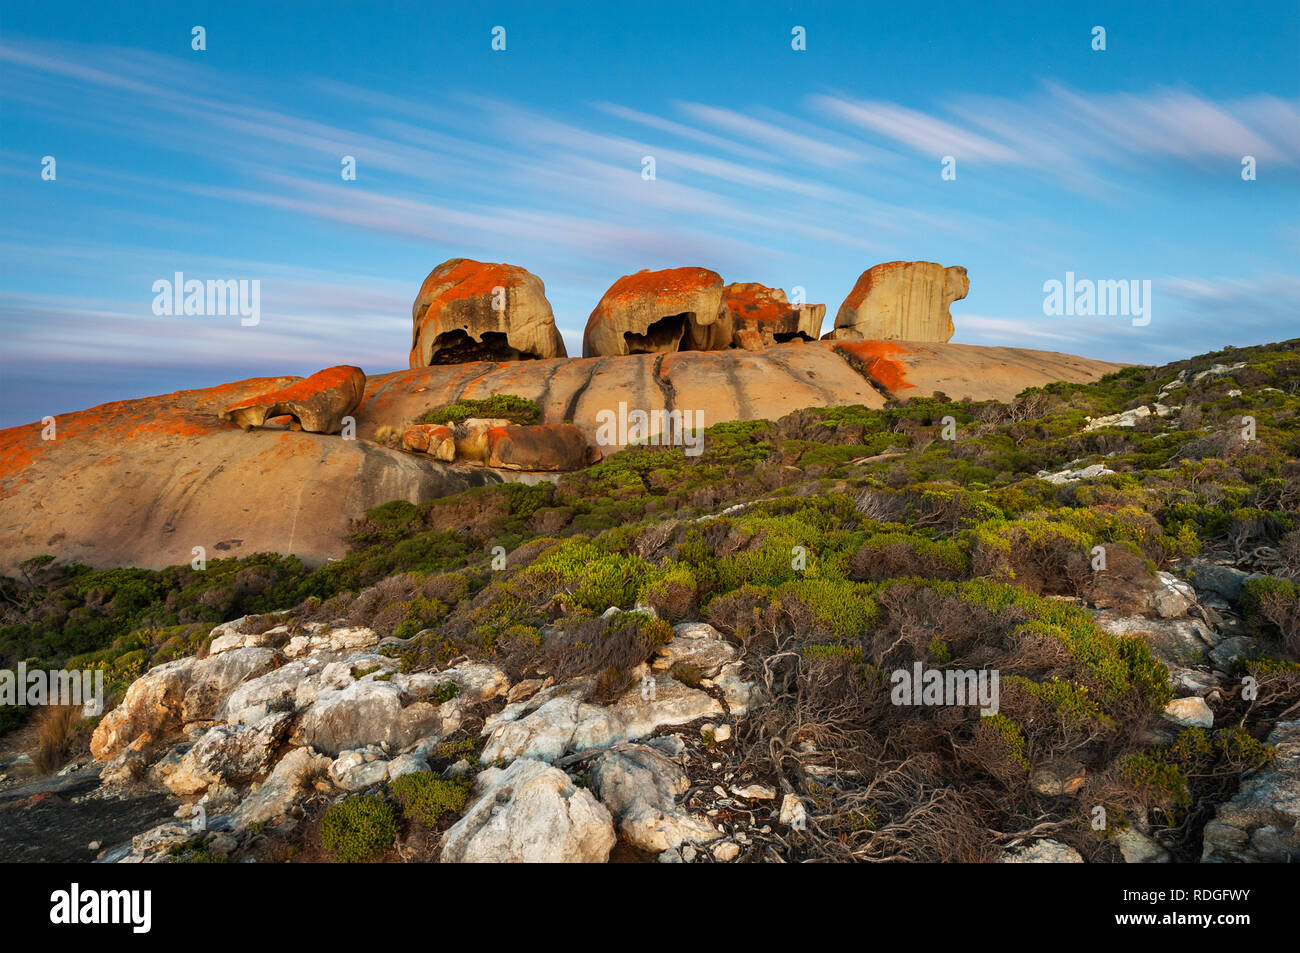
(530, 812)
(640, 786)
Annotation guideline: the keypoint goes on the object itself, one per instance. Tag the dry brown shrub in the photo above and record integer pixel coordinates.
(57, 730)
(877, 563)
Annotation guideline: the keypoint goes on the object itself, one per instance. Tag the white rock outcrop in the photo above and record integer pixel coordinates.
(530, 812)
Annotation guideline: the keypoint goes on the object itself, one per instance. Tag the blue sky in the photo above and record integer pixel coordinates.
(773, 165)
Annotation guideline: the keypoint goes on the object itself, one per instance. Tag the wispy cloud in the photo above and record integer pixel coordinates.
(1058, 130)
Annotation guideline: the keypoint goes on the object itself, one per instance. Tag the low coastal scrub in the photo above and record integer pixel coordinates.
(358, 829)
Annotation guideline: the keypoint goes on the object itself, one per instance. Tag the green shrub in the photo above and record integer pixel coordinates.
(425, 797)
(358, 829)
(1011, 736)
(11, 716)
(1171, 773)
(518, 410)
(421, 614)
(1271, 600)
(840, 609)
(585, 576)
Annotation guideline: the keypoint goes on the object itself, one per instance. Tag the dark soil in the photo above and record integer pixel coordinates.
(51, 820)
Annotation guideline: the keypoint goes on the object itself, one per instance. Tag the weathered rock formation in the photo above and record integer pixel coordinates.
(640, 785)
(317, 404)
(658, 312)
(142, 482)
(762, 316)
(542, 447)
(475, 311)
(902, 301)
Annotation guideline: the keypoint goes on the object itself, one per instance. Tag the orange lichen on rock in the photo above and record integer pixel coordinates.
(319, 403)
(305, 388)
(470, 310)
(18, 449)
(658, 286)
(437, 440)
(656, 312)
(180, 414)
(763, 316)
(875, 359)
(177, 425)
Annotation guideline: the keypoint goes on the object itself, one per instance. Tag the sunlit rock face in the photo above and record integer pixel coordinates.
(659, 312)
(763, 316)
(316, 404)
(902, 301)
(143, 482)
(481, 311)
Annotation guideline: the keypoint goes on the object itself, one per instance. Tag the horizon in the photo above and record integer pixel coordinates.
(773, 165)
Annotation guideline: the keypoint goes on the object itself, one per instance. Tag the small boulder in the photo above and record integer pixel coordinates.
(229, 754)
(540, 447)
(1138, 848)
(295, 774)
(640, 786)
(1058, 777)
(1224, 581)
(436, 440)
(551, 724)
(366, 712)
(353, 771)
(698, 645)
(793, 813)
(726, 852)
(1190, 712)
(1041, 852)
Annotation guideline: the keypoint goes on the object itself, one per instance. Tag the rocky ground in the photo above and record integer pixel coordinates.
(266, 728)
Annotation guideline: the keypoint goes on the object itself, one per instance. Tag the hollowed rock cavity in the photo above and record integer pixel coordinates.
(457, 347)
(654, 312)
(663, 335)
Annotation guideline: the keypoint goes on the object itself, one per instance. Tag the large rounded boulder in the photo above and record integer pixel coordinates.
(659, 312)
(481, 311)
(763, 316)
(902, 301)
